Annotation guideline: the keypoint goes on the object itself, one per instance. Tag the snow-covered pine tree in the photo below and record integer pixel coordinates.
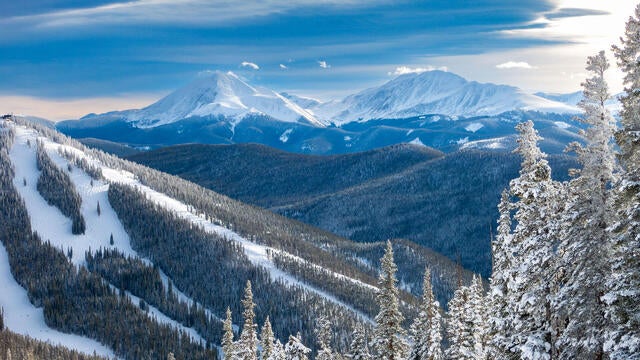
(277, 353)
(460, 325)
(499, 330)
(295, 349)
(583, 253)
(478, 313)
(266, 339)
(528, 321)
(228, 347)
(426, 330)
(388, 341)
(247, 346)
(323, 337)
(359, 348)
(623, 287)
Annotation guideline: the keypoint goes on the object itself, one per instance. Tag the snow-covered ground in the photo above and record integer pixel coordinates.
(53, 224)
(22, 317)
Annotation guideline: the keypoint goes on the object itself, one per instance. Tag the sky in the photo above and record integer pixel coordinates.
(62, 59)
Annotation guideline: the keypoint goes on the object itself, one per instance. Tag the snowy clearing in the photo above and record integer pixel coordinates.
(23, 318)
(473, 127)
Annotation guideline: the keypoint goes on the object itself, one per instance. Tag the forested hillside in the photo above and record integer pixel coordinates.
(445, 202)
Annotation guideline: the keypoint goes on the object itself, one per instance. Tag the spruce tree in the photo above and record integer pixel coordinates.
(499, 329)
(583, 252)
(460, 325)
(228, 347)
(528, 325)
(389, 342)
(426, 330)
(247, 346)
(295, 349)
(359, 347)
(266, 339)
(323, 338)
(623, 286)
(277, 353)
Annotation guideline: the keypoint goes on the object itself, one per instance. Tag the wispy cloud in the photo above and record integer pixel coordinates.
(249, 64)
(401, 70)
(283, 67)
(323, 64)
(201, 12)
(515, 65)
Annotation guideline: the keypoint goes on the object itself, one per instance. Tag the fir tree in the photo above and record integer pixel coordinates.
(228, 346)
(98, 208)
(278, 352)
(528, 315)
(460, 326)
(623, 286)
(426, 330)
(497, 298)
(247, 346)
(323, 337)
(295, 349)
(267, 339)
(583, 253)
(359, 348)
(389, 341)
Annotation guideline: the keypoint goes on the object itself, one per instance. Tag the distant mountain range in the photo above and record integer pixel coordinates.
(436, 109)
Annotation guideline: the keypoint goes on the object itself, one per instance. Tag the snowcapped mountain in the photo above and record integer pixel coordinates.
(434, 92)
(219, 94)
(572, 99)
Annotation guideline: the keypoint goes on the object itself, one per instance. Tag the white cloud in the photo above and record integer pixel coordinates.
(323, 64)
(254, 66)
(515, 65)
(401, 70)
(283, 66)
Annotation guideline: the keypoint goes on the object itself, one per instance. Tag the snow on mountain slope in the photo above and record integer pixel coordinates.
(257, 254)
(53, 226)
(219, 94)
(433, 92)
(23, 318)
(572, 99)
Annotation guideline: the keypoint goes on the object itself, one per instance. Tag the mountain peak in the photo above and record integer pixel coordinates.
(217, 93)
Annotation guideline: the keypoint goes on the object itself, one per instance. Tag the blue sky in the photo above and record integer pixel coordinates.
(65, 58)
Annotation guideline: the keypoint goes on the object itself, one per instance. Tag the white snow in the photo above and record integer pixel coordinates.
(48, 221)
(52, 225)
(463, 141)
(22, 317)
(417, 141)
(347, 138)
(493, 143)
(218, 93)
(562, 124)
(285, 135)
(473, 127)
(434, 92)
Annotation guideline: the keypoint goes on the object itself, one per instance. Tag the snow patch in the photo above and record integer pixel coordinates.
(22, 317)
(562, 124)
(417, 141)
(285, 135)
(473, 127)
(463, 141)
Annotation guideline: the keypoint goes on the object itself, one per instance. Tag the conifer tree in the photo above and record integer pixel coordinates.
(478, 313)
(359, 347)
(295, 349)
(528, 326)
(389, 342)
(266, 339)
(623, 286)
(323, 337)
(497, 297)
(228, 346)
(583, 253)
(426, 330)
(247, 346)
(277, 353)
(460, 326)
